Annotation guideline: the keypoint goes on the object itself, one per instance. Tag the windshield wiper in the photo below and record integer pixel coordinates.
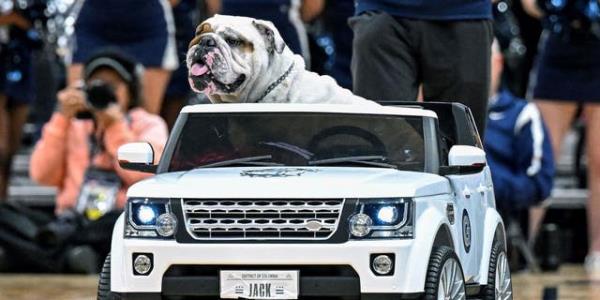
(365, 160)
(251, 160)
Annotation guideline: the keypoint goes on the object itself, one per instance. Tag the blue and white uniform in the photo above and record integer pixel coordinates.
(519, 152)
(143, 29)
(17, 80)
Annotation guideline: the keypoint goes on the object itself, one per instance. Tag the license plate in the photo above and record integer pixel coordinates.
(259, 284)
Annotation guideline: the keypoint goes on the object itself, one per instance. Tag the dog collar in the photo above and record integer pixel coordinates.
(276, 83)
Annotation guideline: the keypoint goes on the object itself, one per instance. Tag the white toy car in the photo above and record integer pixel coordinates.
(285, 201)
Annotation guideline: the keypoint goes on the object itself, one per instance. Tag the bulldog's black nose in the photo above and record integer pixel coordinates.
(207, 42)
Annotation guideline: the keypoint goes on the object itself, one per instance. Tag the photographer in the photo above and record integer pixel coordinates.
(568, 77)
(75, 154)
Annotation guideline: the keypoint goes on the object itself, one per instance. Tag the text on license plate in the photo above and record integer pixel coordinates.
(259, 284)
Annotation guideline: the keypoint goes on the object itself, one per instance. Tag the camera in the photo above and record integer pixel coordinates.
(98, 95)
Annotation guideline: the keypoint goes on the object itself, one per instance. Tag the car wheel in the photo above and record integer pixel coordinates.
(499, 285)
(445, 279)
(104, 292)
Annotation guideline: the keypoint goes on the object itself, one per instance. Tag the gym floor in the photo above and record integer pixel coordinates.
(567, 284)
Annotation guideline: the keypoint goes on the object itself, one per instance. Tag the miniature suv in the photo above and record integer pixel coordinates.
(288, 201)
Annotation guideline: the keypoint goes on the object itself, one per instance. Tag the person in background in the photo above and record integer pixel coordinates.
(335, 17)
(178, 91)
(518, 148)
(568, 76)
(17, 89)
(442, 45)
(72, 149)
(287, 15)
(143, 29)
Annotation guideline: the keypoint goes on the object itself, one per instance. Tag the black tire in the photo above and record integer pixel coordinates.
(437, 260)
(104, 292)
(489, 291)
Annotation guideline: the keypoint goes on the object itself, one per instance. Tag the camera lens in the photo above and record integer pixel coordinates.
(100, 94)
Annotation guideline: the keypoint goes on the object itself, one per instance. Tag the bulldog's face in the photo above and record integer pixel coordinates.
(229, 53)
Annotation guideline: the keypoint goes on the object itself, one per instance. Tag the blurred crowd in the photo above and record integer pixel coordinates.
(89, 76)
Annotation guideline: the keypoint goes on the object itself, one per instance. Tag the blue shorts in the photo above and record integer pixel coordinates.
(568, 71)
(16, 80)
(143, 29)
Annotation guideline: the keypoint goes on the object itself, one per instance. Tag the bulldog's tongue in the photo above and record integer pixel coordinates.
(198, 69)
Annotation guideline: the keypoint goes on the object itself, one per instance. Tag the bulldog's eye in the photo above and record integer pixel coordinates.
(233, 42)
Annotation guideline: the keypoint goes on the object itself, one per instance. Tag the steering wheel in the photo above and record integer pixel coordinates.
(347, 130)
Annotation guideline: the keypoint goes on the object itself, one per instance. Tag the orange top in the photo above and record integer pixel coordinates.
(62, 155)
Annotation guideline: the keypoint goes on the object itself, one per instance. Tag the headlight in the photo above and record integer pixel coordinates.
(382, 218)
(150, 218)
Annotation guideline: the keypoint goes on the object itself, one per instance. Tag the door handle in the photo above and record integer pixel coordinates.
(482, 189)
(467, 193)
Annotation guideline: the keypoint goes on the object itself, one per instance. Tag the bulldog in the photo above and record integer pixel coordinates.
(238, 59)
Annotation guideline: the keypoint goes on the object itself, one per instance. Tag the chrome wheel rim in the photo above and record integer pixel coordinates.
(451, 285)
(503, 283)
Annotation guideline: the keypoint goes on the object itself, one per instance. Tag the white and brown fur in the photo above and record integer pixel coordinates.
(253, 50)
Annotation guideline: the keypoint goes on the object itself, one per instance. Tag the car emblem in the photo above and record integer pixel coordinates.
(314, 225)
(466, 222)
(280, 172)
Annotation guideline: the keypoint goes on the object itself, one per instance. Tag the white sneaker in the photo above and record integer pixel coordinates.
(592, 265)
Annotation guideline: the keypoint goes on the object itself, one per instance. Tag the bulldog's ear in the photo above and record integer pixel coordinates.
(273, 39)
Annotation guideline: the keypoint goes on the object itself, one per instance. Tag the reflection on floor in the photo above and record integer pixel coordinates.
(568, 284)
(64, 287)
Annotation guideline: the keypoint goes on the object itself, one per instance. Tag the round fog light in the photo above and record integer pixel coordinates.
(142, 264)
(383, 264)
(166, 224)
(360, 225)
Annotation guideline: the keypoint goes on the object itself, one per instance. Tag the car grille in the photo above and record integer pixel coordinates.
(262, 219)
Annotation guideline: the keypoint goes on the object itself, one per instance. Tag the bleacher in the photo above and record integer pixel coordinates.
(565, 194)
(24, 191)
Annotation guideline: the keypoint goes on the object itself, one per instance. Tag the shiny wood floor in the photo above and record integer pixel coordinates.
(567, 284)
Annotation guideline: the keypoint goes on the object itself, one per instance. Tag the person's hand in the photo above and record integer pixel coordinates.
(107, 117)
(531, 8)
(71, 101)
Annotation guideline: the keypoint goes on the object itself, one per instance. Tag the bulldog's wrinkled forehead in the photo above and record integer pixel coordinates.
(228, 24)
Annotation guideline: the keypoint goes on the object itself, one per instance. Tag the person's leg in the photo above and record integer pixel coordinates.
(11, 132)
(383, 62)
(558, 117)
(154, 86)
(4, 147)
(455, 59)
(592, 117)
(18, 118)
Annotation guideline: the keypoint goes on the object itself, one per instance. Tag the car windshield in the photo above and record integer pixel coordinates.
(299, 139)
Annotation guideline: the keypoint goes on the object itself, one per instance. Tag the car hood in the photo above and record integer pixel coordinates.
(291, 182)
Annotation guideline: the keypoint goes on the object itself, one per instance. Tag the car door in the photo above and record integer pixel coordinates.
(469, 211)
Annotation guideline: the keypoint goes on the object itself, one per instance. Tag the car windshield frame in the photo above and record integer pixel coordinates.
(429, 127)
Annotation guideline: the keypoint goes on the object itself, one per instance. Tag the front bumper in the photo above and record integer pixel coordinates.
(407, 280)
(159, 296)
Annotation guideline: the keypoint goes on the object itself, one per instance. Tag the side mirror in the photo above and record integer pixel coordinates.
(464, 159)
(137, 157)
